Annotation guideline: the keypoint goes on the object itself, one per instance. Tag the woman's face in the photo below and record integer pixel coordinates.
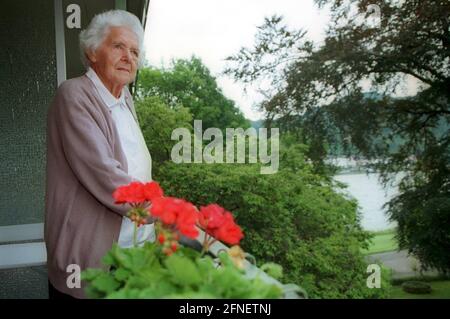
(116, 59)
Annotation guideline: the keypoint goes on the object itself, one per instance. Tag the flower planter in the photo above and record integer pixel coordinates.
(187, 260)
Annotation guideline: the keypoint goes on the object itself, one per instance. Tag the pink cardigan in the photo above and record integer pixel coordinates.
(85, 164)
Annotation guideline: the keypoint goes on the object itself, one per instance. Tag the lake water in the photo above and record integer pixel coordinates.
(371, 196)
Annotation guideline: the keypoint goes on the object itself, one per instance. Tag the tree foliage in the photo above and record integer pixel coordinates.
(157, 121)
(190, 84)
(345, 91)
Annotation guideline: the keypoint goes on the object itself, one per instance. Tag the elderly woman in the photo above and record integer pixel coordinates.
(94, 145)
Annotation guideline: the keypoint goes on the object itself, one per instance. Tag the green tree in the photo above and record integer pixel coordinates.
(318, 90)
(189, 83)
(157, 122)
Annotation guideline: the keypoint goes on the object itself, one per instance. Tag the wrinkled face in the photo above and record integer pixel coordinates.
(115, 60)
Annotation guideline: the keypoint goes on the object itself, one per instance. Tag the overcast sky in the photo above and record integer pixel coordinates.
(215, 29)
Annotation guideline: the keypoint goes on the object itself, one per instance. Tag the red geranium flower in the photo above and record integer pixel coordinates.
(178, 212)
(164, 208)
(187, 219)
(152, 190)
(220, 224)
(229, 232)
(132, 193)
(211, 216)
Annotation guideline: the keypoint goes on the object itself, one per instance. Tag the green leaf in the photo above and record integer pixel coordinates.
(134, 259)
(182, 270)
(108, 259)
(91, 273)
(159, 290)
(105, 283)
(225, 259)
(205, 265)
(122, 274)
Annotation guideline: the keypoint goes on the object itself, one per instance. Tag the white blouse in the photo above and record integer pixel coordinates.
(136, 153)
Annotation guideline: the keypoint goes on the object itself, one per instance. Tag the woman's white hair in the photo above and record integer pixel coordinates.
(92, 37)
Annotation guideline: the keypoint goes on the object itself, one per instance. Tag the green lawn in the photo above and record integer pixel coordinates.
(440, 290)
(382, 241)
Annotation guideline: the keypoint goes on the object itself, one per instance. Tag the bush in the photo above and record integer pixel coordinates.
(416, 287)
(293, 218)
